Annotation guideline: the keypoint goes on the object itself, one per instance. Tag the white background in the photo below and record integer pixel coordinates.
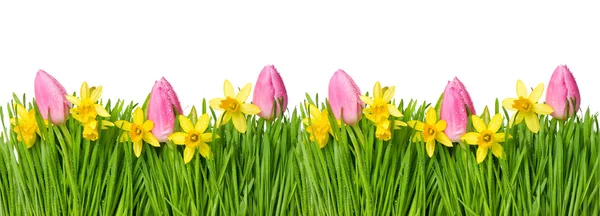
(417, 47)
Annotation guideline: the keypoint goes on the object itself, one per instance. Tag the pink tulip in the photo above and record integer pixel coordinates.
(455, 103)
(344, 98)
(50, 98)
(160, 109)
(270, 89)
(561, 90)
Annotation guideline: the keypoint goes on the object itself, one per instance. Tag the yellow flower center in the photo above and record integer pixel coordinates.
(193, 138)
(486, 139)
(379, 110)
(523, 104)
(428, 132)
(85, 112)
(136, 132)
(230, 105)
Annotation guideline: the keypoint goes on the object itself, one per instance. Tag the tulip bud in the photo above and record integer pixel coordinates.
(344, 98)
(160, 109)
(562, 89)
(50, 98)
(455, 103)
(270, 93)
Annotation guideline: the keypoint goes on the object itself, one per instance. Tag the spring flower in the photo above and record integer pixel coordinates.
(380, 109)
(234, 106)
(193, 137)
(431, 130)
(270, 93)
(90, 129)
(453, 109)
(163, 101)
(318, 125)
(527, 107)
(50, 98)
(138, 130)
(25, 125)
(561, 90)
(344, 98)
(486, 137)
(86, 108)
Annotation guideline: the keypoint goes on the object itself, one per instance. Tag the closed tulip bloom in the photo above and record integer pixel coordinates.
(455, 103)
(50, 98)
(269, 93)
(344, 98)
(562, 89)
(161, 109)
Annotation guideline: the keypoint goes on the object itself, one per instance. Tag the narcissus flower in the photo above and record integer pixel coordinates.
(455, 102)
(318, 125)
(270, 93)
(344, 98)
(50, 98)
(379, 110)
(486, 137)
(193, 137)
(161, 109)
(234, 106)
(137, 131)
(25, 125)
(430, 131)
(90, 129)
(87, 108)
(527, 106)
(562, 89)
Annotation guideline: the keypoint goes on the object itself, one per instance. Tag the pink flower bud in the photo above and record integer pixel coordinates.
(270, 93)
(160, 109)
(455, 103)
(562, 89)
(344, 98)
(50, 98)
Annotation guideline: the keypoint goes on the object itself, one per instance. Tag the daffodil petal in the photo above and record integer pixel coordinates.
(137, 148)
(501, 137)
(543, 109)
(250, 109)
(367, 100)
(417, 125)
(519, 117)
(481, 154)
(204, 150)
(431, 116)
(443, 139)
(440, 125)
(150, 139)
(228, 89)
(478, 123)
(207, 137)
(389, 94)
(314, 111)
(536, 94)
(508, 104)
(215, 103)
(239, 122)
(497, 150)
(101, 111)
(495, 123)
(178, 138)
(202, 123)
(430, 147)
(377, 90)
(185, 123)
(532, 122)
(124, 125)
(138, 116)
(244, 93)
(188, 154)
(521, 89)
(84, 90)
(96, 93)
(148, 125)
(73, 99)
(394, 111)
(470, 138)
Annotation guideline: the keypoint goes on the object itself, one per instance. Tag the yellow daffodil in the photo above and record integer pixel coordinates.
(90, 130)
(431, 130)
(318, 125)
(138, 130)
(234, 106)
(380, 109)
(193, 137)
(486, 137)
(25, 125)
(86, 107)
(527, 107)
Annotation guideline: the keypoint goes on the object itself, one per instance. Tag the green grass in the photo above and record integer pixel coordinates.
(274, 169)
